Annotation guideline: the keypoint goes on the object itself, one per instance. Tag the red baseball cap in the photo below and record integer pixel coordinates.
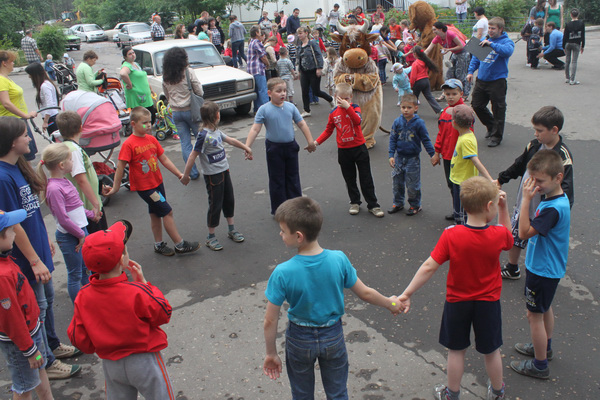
(102, 250)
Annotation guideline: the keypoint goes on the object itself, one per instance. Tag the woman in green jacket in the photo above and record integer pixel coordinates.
(86, 78)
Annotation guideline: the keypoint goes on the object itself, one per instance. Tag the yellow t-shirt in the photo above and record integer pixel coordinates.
(461, 165)
(15, 94)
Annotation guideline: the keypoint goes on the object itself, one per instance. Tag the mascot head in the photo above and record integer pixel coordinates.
(355, 46)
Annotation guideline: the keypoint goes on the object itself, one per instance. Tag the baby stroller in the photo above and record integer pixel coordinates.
(112, 89)
(65, 77)
(164, 124)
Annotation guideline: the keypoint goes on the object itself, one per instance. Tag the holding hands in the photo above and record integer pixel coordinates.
(435, 160)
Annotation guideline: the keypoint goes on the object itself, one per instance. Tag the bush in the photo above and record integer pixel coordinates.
(52, 40)
(589, 11)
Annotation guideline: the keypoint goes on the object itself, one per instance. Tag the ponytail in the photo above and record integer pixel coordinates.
(420, 54)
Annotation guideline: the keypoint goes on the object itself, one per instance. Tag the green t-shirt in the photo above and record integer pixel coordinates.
(83, 165)
(461, 165)
(139, 94)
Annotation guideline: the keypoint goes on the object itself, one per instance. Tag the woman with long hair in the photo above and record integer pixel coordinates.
(217, 36)
(179, 32)
(419, 77)
(12, 102)
(47, 95)
(176, 72)
(137, 88)
(459, 59)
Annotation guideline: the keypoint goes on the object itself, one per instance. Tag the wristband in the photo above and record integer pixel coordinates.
(38, 358)
(33, 264)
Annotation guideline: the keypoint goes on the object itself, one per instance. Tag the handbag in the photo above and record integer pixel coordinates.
(195, 100)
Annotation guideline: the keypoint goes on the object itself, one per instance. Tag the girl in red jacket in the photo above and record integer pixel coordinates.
(419, 77)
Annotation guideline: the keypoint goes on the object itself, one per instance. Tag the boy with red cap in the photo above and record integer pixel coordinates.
(126, 335)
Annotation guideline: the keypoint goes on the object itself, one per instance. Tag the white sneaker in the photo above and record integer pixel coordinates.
(305, 114)
(528, 65)
(377, 211)
(60, 370)
(354, 209)
(575, 82)
(66, 351)
(332, 104)
(568, 81)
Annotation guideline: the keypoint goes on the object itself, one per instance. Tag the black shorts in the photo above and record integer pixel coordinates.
(518, 242)
(539, 292)
(484, 316)
(157, 201)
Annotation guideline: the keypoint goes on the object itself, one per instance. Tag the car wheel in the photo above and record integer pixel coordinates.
(243, 109)
(78, 47)
(105, 180)
(119, 44)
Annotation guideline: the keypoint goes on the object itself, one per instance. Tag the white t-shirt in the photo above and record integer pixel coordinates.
(483, 24)
(462, 8)
(48, 98)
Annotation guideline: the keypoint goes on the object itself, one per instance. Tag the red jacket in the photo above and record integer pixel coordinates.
(410, 57)
(19, 314)
(347, 124)
(419, 71)
(115, 318)
(374, 53)
(445, 142)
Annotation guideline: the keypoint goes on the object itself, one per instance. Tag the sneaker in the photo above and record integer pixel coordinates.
(575, 83)
(439, 392)
(568, 80)
(413, 211)
(377, 211)
(488, 134)
(235, 236)
(449, 217)
(395, 209)
(493, 143)
(332, 104)
(213, 244)
(66, 351)
(354, 209)
(163, 249)
(305, 114)
(528, 65)
(60, 370)
(187, 247)
(492, 396)
(527, 349)
(528, 369)
(508, 274)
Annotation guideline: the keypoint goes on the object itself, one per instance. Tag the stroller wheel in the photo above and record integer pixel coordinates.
(126, 130)
(105, 180)
(161, 134)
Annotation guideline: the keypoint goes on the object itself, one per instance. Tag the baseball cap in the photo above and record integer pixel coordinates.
(10, 218)
(291, 38)
(463, 112)
(453, 84)
(65, 55)
(102, 250)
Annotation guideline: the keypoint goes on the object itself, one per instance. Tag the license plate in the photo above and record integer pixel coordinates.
(227, 104)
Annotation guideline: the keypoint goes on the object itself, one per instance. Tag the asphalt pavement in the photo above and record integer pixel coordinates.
(216, 345)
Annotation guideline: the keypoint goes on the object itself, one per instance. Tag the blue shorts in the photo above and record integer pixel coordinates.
(539, 292)
(24, 379)
(484, 316)
(156, 200)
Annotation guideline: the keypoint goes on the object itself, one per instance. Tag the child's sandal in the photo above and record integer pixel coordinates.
(213, 244)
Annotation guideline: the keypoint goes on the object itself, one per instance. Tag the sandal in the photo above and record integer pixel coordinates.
(235, 236)
(213, 244)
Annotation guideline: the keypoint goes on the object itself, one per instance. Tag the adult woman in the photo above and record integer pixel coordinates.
(217, 37)
(12, 102)
(480, 29)
(179, 32)
(554, 13)
(459, 59)
(275, 33)
(321, 20)
(176, 71)
(47, 95)
(137, 88)
(378, 13)
(310, 62)
(538, 11)
(87, 80)
(358, 15)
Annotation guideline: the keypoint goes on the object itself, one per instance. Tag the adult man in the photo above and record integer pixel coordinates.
(277, 18)
(257, 59)
(29, 47)
(554, 48)
(293, 22)
(282, 23)
(156, 30)
(237, 33)
(491, 81)
(265, 23)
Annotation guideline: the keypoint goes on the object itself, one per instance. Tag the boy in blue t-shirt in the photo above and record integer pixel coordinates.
(313, 284)
(546, 259)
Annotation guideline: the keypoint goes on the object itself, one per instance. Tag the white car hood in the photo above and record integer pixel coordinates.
(208, 75)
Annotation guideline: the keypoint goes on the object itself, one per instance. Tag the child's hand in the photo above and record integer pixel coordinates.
(405, 303)
(395, 306)
(248, 155)
(79, 245)
(495, 182)
(272, 366)
(435, 160)
(529, 189)
(112, 191)
(185, 179)
(36, 360)
(342, 103)
(392, 162)
(97, 215)
(136, 271)
(396, 89)
(106, 190)
(311, 147)
(502, 200)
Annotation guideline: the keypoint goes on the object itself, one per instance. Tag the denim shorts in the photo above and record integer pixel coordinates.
(24, 379)
(539, 292)
(156, 200)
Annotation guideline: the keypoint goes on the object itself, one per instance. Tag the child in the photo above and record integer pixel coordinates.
(473, 286)
(401, 81)
(465, 163)
(142, 152)
(406, 35)
(383, 54)
(213, 160)
(546, 259)
(282, 149)
(48, 67)
(328, 67)
(547, 123)
(408, 133)
(419, 77)
(22, 344)
(270, 70)
(377, 25)
(409, 56)
(69, 62)
(334, 17)
(83, 175)
(287, 72)
(316, 35)
(445, 142)
(291, 48)
(352, 151)
(67, 208)
(313, 284)
(120, 320)
(534, 46)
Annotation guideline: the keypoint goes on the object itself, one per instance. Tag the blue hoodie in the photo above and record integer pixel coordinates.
(406, 137)
(495, 65)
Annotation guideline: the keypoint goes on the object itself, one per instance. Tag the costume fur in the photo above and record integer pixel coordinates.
(422, 16)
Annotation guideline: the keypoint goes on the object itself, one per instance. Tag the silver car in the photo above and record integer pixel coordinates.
(133, 34)
(89, 32)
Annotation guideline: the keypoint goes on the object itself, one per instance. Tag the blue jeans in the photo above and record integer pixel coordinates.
(303, 346)
(407, 172)
(77, 273)
(24, 379)
(185, 129)
(382, 75)
(260, 87)
(460, 216)
(461, 17)
(237, 47)
(44, 294)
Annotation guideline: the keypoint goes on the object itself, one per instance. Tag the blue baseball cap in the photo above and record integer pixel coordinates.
(11, 218)
(453, 84)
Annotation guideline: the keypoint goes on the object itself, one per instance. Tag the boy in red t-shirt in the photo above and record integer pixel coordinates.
(473, 286)
(143, 152)
(352, 151)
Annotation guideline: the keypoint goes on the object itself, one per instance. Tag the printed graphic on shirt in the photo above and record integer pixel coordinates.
(149, 165)
(344, 129)
(6, 303)
(29, 200)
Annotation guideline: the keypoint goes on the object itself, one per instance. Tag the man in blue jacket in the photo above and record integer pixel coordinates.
(491, 81)
(554, 48)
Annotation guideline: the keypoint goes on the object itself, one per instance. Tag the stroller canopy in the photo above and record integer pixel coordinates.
(98, 115)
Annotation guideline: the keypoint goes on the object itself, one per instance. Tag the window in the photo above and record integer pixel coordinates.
(144, 59)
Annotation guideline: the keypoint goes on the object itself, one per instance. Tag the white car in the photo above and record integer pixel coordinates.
(227, 86)
(89, 32)
(132, 34)
(111, 33)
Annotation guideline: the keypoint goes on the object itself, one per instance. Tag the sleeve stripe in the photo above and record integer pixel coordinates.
(149, 293)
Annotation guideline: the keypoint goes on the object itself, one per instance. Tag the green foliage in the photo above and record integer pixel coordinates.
(507, 9)
(52, 40)
(397, 14)
(6, 43)
(589, 10)
(14, 19)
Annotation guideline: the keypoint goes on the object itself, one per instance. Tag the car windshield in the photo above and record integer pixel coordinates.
(68, 32)
(91, 28)
(198, 56)
(139, 28)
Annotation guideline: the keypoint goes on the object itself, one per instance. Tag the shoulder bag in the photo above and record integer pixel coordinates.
(195, 100)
